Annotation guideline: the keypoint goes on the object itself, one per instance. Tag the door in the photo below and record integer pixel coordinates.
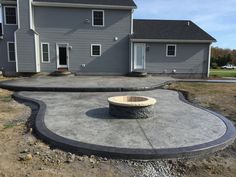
(139, 56)
(62, 56)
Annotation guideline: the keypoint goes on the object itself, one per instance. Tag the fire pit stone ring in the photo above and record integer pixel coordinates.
(131, 107)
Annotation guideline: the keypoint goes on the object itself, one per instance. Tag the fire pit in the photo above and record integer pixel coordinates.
(131, 107)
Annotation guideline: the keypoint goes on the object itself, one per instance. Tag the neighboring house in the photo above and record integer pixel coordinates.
(98, 37)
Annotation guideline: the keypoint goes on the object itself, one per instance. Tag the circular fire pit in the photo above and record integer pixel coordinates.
(131, 107)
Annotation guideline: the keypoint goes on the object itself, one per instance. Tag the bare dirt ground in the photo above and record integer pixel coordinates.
(23, 155)
(220, 98)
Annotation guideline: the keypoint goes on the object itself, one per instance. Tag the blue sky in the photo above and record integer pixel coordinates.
(217, 17)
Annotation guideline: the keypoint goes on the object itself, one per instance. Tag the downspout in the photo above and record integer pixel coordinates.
(15, 38)
(130, 41)
(209, 61)
(36, 37)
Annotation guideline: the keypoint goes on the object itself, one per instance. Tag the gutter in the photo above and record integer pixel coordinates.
(7, 2)
(76, 5)
(172, 40)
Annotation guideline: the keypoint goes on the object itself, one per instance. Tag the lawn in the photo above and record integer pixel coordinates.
(223, 73)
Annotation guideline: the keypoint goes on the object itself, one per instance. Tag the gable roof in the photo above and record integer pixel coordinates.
(128, 3)
(169, 30)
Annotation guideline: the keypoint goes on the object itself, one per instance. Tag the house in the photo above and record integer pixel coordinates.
(98, 37)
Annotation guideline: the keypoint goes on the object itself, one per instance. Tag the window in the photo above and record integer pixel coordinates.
(11, 51)
(45, 53)
(98, 18)
(1, 30)
(10, 15)
(96, 50)
(171, 50)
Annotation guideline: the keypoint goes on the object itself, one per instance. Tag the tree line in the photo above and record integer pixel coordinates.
(221, 57)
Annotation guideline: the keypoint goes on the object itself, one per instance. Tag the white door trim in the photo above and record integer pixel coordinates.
(144, 57)
(57, 52)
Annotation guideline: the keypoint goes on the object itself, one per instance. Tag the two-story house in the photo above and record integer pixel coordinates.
(98, 37)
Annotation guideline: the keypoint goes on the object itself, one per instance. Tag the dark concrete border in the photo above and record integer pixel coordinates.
(122, 153)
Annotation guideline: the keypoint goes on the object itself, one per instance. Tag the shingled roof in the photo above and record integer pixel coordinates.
(129, 3)
(169, 30)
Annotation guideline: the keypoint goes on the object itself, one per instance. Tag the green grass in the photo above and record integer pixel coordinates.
(6, 98)
(9, 125)
(223, 73)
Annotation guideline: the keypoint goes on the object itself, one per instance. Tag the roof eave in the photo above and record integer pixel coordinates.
(172, 40)
(77, 5)
(7, 2)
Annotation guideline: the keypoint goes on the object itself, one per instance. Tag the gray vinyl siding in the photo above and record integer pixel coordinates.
(68, 25)
(190, 59)
(8, 36)
(25, 40)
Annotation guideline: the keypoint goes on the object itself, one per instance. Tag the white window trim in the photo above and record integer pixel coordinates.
(167, 46)
(103, 12)
(8, 56)
(42, 43)
(92, 50)
(5, 17)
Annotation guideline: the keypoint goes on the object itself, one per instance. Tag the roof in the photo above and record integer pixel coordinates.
(5, 1)
(169, 30)
(128, 3)
(8, 2)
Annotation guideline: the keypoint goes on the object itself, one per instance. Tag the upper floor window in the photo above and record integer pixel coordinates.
(10, 15)
(45, 54)
(98, 18)
(11, 51)
(171, 50)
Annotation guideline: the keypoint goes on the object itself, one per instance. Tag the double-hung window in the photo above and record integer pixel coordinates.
(96, 49)
(10, 15)
(11, 51)
(98, 18)
(171, 50)
(45, 52)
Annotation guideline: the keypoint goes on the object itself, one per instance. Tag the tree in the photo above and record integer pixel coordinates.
(221, 57)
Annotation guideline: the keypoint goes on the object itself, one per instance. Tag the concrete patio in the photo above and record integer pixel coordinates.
(80, 123)
(94, 83)
(85, 83)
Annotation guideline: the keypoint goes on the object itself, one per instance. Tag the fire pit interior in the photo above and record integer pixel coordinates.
(131, 107)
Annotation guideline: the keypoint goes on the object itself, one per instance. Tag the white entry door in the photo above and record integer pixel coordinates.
(139, 56)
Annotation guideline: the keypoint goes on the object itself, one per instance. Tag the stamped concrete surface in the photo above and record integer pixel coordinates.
(84, 117)
(89, 82)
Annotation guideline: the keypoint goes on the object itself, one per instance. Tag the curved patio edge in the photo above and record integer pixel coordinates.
(43, 133)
